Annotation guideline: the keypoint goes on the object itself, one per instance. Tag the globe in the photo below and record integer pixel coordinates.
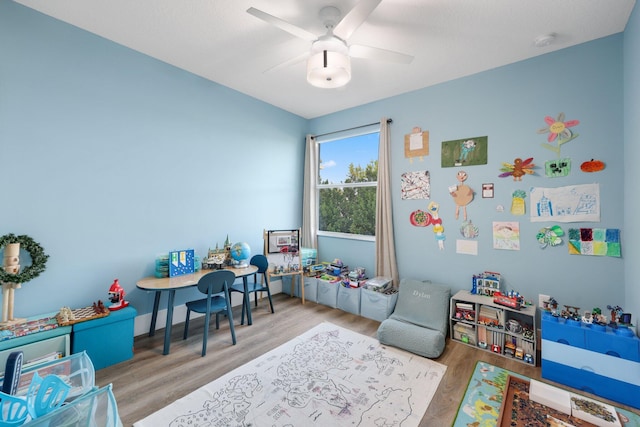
(240, 253)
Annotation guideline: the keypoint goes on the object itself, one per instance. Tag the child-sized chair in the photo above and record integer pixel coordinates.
(419, 322)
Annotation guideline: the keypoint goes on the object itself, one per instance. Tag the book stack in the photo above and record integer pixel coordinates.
(490, 316)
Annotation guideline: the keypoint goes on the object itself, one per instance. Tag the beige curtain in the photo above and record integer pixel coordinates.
(385, 248)
(309, 238)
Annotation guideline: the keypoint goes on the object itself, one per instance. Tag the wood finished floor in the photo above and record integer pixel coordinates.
(150, 381)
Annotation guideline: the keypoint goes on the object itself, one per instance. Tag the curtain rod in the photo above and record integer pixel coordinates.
(353, 128)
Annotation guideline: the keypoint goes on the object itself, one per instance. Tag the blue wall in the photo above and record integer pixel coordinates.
(110, 157)
(632, 159)
(508, 105)
(116, 157)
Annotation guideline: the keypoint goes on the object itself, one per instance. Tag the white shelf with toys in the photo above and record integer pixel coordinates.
(478, 321)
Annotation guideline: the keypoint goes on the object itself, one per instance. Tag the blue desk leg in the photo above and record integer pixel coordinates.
(167, 328)
(247, 301)
(154, 314)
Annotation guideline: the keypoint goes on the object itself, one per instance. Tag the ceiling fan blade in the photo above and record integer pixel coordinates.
(356, 16)
(288, 62)
(368, 52)
(282, 24)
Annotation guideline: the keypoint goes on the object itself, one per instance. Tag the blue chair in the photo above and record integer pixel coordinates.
(254, 287)
(216, 286)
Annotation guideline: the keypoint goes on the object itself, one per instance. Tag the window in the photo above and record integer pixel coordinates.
(347, 185)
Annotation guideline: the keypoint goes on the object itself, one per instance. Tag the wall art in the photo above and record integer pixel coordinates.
(595, 241)
(465, 152)
(573, 203)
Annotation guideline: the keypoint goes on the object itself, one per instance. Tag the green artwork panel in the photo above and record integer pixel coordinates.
(465, 152)
(613, 249)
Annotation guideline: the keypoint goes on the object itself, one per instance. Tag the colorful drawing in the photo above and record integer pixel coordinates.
(518, 207)
(557, 168)
(462, 194)
(415, 185)
(595, 241)
(464, 152)
(550, 236)
(518, 169)
(506, 235)
(559, 132)
(574, 203)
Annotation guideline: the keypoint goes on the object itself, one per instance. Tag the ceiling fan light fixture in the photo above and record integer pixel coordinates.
(328, 69)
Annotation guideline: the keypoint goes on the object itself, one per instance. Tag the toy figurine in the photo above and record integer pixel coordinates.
(116, 296)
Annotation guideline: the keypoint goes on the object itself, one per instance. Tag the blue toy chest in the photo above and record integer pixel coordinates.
(107, 340)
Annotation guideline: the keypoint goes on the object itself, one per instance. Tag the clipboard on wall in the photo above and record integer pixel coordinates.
(416, 144)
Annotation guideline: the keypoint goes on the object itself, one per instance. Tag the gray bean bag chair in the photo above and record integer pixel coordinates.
(420, 319)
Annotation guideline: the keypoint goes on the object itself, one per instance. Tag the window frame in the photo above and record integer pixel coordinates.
(372, 129)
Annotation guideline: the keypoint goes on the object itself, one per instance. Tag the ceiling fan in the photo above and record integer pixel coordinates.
(329, 60)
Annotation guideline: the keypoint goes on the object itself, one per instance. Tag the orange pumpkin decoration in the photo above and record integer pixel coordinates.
(592, 166)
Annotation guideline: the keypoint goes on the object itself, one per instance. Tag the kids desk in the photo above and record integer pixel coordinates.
(107, 340)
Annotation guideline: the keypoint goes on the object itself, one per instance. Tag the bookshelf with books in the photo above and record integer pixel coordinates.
(477, 321)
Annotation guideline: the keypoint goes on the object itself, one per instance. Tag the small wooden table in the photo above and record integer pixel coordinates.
(171, 284)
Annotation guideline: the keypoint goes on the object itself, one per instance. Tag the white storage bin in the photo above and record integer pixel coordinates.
(349, 299)
(377, 305)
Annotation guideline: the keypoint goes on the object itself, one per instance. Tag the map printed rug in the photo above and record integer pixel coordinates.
(327, 376)
(482, 400)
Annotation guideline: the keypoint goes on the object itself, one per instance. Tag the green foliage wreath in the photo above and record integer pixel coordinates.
(38, 259)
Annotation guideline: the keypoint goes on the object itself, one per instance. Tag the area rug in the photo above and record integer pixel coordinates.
(327, 376)
(482, 400)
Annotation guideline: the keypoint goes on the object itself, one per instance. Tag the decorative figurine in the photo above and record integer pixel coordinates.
(116, 296)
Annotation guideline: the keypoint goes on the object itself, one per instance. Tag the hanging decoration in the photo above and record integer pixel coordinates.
(518, 169)
(550, 236)
(438, 228)
(416, 144)
(592, 166)
(518, 206)
(462, 194)
(420, 218)
(557, 168)
(559, 132)
(464, 152)
(595, 241)
(468, 230)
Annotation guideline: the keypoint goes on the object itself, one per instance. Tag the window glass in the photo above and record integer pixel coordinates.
(348, 176)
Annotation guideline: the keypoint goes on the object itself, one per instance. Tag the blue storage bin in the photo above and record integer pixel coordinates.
(107, 340)
(613, 344)
(590, 382)
(556, 330)
(328, 293)
(377, 305)
(348, 299)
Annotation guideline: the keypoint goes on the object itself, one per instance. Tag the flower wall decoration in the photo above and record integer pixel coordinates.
(559, 132)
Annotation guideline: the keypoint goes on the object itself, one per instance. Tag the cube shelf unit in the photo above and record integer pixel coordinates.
(477, 321)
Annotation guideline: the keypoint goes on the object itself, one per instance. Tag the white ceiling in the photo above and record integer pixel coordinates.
(220, 41)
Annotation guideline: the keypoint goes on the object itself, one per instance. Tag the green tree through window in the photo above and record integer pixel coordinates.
(349, 206)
